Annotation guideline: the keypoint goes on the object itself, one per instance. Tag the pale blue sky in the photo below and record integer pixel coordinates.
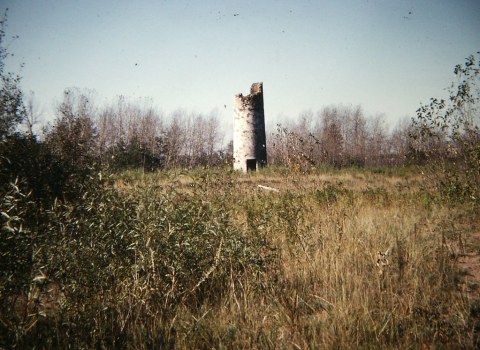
(387, 56)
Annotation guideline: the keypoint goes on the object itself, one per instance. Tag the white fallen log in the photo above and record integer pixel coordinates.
(268, 188)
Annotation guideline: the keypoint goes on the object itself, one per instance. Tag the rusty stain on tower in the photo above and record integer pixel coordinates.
(249, 139)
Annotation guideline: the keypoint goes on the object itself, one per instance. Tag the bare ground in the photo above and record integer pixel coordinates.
(469, 264)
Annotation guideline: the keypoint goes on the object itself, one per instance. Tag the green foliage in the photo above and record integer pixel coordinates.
(161, 247)
(61, 167)
(72, 138)
(35, 169)
(57, 168)
(12, 110)
(15, 243)
(447, 134)
(328, 194)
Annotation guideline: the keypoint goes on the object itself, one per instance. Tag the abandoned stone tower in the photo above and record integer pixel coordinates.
(249, 139)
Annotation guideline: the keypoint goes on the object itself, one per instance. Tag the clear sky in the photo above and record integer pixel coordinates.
(387, 56)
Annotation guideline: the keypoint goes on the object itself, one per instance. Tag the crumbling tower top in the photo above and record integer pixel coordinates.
(257, 88)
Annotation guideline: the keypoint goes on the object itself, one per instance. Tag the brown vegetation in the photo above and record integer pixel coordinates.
(352, 259)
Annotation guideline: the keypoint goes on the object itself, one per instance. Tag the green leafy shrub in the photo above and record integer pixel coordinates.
(119, 262)
(15, 243)
(329, 194)
(447, 134)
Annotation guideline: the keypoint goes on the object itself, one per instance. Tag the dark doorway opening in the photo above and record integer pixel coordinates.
(251, 165)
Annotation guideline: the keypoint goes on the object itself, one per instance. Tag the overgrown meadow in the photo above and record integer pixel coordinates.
(106, 243)
(208, 259)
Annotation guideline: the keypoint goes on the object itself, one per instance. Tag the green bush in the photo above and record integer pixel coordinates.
(446, 134)
(119, 261)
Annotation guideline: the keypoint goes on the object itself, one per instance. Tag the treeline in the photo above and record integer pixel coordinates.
(340, 136)
(85, 138)
(132, 134)
(128, 134)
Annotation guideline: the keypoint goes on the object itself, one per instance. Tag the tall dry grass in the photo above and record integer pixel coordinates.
(333, 260)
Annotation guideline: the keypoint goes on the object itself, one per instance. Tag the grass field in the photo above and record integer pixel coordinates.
(210, 260)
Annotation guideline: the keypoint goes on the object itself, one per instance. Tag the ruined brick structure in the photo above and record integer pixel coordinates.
(249, 139)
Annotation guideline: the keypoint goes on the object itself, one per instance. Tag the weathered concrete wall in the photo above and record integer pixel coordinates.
(249, 139)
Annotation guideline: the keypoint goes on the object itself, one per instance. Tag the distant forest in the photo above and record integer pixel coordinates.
(129, 134)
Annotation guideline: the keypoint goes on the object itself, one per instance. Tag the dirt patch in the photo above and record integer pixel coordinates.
(469, 264)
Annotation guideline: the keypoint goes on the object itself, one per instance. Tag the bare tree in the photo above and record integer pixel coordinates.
(331, 138)
(213, 137)
(33, 114)
(355, 137)
(376, 142)
(130, 135)
(175, 138)
(400, 143)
